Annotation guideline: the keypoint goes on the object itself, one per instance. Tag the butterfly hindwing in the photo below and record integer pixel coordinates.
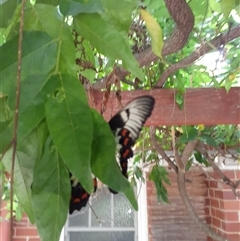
(79, 196)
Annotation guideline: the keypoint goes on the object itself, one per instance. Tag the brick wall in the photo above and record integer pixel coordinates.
(25, 231)
(222, 207)
(171, 222)
(213, 201)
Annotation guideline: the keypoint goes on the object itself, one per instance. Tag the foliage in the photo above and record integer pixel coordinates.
(67, 41)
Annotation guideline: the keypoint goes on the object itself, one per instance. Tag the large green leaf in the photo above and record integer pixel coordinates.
(74, 7)
(50, 2)
(28, 151)
(35, 91)
(70, 124)
(50, 193)
(39, 53)
(107, 40)
(6, 133)
(7, 8)
(47, 18)
(119, 13)
(103, 161)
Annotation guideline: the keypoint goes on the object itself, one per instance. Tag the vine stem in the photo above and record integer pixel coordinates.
(14, 141)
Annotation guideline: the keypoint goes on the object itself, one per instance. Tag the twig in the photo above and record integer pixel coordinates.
(14, 140)
(215, 167)
(160, 150)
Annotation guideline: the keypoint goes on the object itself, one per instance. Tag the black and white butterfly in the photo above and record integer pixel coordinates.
(126, 126)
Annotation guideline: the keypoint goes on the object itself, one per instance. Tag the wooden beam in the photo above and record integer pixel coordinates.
(208, 106)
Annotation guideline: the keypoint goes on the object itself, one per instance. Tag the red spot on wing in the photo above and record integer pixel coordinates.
(77, 200)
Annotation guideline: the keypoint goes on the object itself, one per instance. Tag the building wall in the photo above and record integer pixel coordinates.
(170, 222)
(222, 206)
(214, 202)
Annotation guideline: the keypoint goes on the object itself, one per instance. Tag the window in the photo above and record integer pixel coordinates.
(110, 218)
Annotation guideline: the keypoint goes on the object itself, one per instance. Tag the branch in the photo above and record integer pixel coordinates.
(182, 190)
(215, 167)
(220, 40)
(187, 152)
(160, 150)
(14, 140)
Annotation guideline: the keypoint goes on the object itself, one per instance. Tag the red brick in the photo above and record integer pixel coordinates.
(231, 205)
(218, 194)
(214, 203)
(230, 174)
(233, 237)
(216, 222)
(34, 239)
(232, 227)
(213, 211)
(231, 216)
(213, 184)
(229, 195)
(237, 174)
(211, 193)
(26, 232)
(19, 239)
(220, 214)
(208, 220)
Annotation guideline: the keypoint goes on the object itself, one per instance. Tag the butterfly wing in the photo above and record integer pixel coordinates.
(79, 196)
(126, 126)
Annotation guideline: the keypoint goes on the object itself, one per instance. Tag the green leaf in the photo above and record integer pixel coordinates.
(227, 6)
(50, 2)
(50, 193)
(74, 7)
(179, 100)
(155, 32)
(107, 40)
(35, 91)
(26, 156)
(39, 54)
(5, 113)
(6, 134)
(209, 140)
(159, 175)
(69, 121)
(103, 162)
(118, 13)
(42, 17)
(7, 8)
(190, 134)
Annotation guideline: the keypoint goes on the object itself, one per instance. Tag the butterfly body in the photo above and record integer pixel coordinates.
(126, 126)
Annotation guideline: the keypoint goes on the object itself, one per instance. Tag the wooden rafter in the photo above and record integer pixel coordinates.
(208, 106)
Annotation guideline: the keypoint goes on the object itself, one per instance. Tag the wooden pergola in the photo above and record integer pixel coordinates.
(208, 106)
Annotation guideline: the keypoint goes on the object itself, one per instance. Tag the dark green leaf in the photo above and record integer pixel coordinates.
(103, 160)
(50, 2)
(50, 193)
(39, 54)
(35, 91)
(69, 121)
(26, 156)
(6, 11)
(107, 40)
(74, 7)
(118, 13)
(159, 175)
(42, 17)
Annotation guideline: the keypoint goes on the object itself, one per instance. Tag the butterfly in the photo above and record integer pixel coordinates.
(126, 125)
